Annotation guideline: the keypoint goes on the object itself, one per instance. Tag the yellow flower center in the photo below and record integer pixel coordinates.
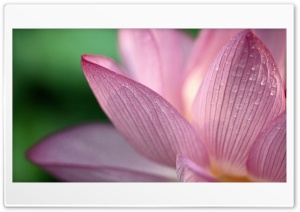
(228, 178)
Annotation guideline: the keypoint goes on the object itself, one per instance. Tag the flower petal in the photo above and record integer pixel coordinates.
(156, 58)
(153, 126)
(240, 95)
(267, 157)
(75, 173)
(275, 40)
(95, 152)
(205, 49)
(188, 171)
(105, 62)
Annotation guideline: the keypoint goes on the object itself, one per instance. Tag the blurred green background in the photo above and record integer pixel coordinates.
(50, 91)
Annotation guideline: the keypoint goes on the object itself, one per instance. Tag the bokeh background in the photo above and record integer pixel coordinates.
(50, 91)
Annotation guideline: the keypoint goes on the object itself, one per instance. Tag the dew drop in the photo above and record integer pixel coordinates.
(273, 92)
(238, 106)
(237, 74)
(235, 88)
(252, 77)
(257, 101)
(263, 81)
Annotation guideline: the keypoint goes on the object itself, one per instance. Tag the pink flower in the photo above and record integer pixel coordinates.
(212, 116)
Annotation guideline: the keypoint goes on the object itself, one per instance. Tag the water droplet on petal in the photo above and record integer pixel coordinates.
(237, 74)
(273, 92)
(235, 88)
(238, 106)
(263, 81)
(252, 77)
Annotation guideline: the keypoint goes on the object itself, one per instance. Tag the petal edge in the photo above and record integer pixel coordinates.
(149, 123)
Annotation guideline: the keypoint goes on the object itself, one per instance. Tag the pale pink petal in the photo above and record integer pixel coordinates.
(241, 93)
(95, 152)
(75, 173)
(275, 40)
(267, 157)
(188, 171)
(105, 62)
(205, 49)
(156, 58)
(151, 124)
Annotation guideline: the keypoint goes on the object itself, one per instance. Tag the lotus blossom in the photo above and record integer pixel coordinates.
(209, 110)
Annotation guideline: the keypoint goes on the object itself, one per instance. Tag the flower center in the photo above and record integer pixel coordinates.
(228, 178)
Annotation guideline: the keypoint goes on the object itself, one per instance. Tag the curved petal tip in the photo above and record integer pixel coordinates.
(240, 95)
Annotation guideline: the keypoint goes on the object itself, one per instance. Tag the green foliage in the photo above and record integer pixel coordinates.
(49, 89)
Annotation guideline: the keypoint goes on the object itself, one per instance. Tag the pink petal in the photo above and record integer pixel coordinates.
(149, 122)
(275, 40)
(205, 49)
(267, 157)
(95, 152)
(156, 58)
(71, 173)
(105, 62)
(188, 171)
(241, 93)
